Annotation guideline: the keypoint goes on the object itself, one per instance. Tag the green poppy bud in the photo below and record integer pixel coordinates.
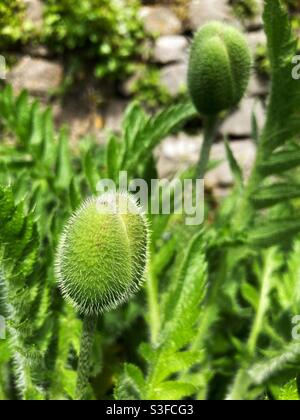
(102, 255)
(219, 68)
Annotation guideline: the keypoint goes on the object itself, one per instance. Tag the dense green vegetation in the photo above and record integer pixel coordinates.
(107, 33)
(214, 319)
(11, 22)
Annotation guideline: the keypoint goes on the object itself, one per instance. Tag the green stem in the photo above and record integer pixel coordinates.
(84, 364)
(242, 381)
(154, 316)
(210, 131)
(263, 301)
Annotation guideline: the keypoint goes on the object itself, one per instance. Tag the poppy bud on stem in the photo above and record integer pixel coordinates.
(218, 75)
(101, 262)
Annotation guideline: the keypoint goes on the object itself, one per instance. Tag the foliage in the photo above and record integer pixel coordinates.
(216, 315)
(108, 33)
(147, 88)
(11, 22)
(245, 9)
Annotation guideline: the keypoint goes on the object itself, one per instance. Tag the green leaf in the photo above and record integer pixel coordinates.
(186, 293)
(156, 129)
(250, 294)
(275, 194)
(173, 390)
(113, 158)
(91, 171)
(280, 162)
(288, 392)
(63, 165)
(134, 121)
(284, 106)
(49, 144)
(264, 370)
(130, 384)
(175, 362)
(19, 288)
(274, 232)
(23, 117)
(36, 136)
(75, 197)
(234, 166)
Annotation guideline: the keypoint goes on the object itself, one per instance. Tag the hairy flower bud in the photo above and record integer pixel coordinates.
(219, 68)
(102, 255)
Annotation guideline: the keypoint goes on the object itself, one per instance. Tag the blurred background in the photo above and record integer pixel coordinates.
(88, 59)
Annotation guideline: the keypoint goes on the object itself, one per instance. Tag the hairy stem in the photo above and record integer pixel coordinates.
(84, 364)
(210, 131)
(263, 301)
(242, 382)
(153, 305)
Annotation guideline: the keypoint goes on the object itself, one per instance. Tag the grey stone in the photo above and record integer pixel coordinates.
(39, 51)
(177, 153)
(37, 75)
(113, 115)
(239, 124)
(170, 48)
(173, 78)
(160, 20)
(203, 11)
(244, 151)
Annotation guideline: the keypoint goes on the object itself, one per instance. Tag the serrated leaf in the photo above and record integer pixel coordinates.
(173, 390)
(264, 370)
(280, 162)
(284, 107)
(186, 293)
(275, 194)
(130, 384)
(134, 122)
(274, 232)
(156, 129)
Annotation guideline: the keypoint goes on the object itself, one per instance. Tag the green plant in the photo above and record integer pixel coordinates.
(11, 22)
(33, 153)
(107, 34)
(247, 9)
(147, 88)
(101, 261)
(215, 316)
